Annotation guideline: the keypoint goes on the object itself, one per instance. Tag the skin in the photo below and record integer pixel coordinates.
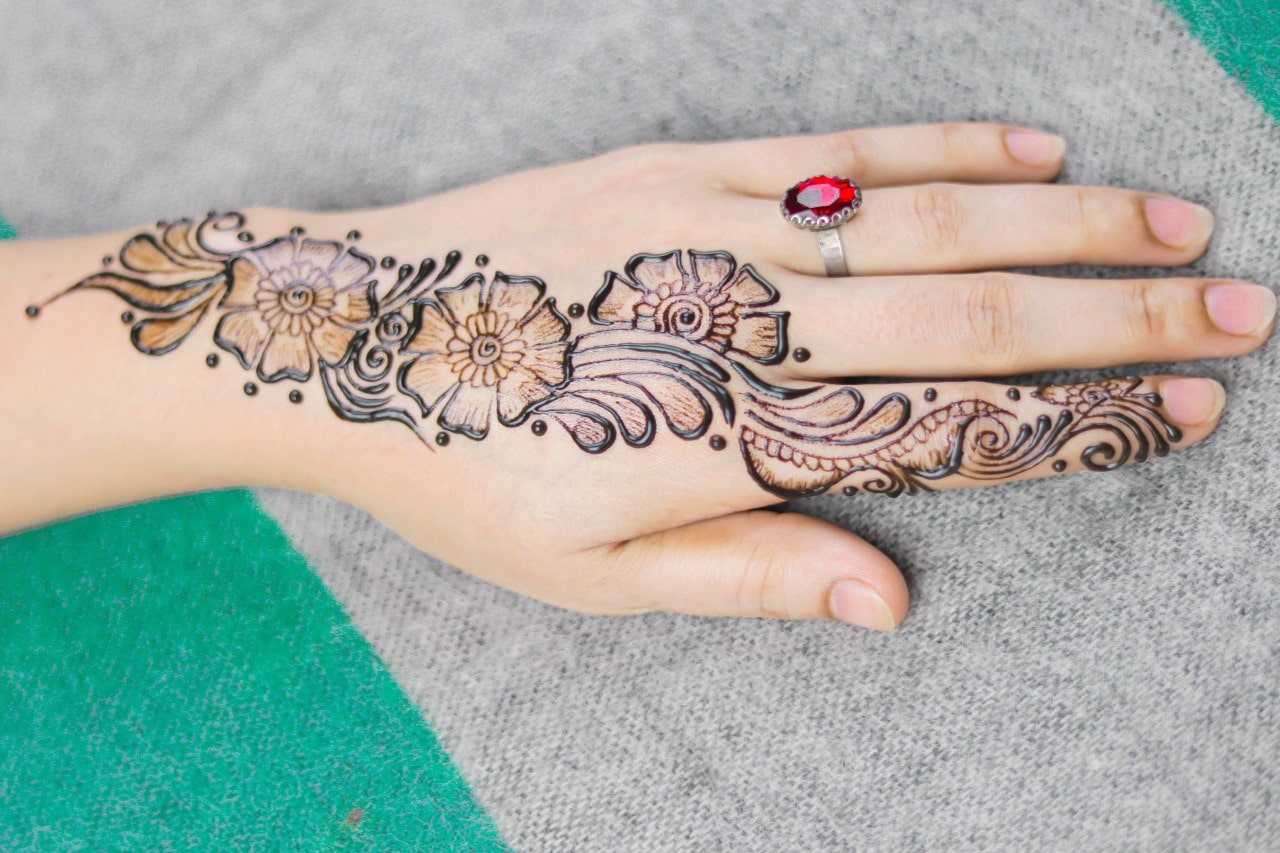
(674, 525)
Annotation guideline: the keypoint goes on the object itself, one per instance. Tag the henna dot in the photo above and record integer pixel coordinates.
(1059, 466)
(575, 310)
(126, 317)
(210, 214)
(211, 359)
(406, 270)
(388, 262)
(296, 231)
(1157, 400)
(849, 491)
(481, 260)
(930, 394)
(106, 260)
(717, 442)
(353, 234)
(442, 438)
(244, 237)
(250, 388)
(295, 396)
(538, 427)
(160, 223)
(33, 311)
(801, 354)
(1014, 394)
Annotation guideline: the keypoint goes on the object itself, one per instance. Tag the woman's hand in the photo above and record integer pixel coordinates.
(607, 368)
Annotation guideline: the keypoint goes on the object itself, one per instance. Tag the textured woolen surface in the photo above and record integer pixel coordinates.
(1089, 662)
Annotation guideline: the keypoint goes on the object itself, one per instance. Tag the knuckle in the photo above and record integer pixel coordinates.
(951, 135)
(845, 148)
(939, 216)
(762, 585)
(1147, 312)
(1082, 219)
(652, 162)
(1097, 221)
(971, 389)
(991, 322)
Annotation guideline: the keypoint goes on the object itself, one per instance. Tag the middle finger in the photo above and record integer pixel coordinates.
(1000, 323)
(944, 227)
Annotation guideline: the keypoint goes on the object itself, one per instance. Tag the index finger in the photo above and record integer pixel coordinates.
(905, 439)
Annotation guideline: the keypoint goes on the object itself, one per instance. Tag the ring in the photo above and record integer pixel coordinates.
(820, 204)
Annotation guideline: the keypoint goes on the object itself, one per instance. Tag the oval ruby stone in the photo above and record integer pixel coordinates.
(822, 196)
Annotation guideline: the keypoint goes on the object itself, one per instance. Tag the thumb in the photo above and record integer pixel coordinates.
(778, 565)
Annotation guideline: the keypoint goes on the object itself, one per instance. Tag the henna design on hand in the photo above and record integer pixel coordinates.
(678, 340)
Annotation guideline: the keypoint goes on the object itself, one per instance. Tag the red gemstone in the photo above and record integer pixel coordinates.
(821, 196)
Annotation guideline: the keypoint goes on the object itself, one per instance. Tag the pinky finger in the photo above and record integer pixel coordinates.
(897, 439)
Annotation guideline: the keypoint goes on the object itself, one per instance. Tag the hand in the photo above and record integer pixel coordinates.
(625, 358)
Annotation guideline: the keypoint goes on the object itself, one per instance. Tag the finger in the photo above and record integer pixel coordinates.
(911, 438)
(957, 227)
(891, 156)
(991, 324)
(761, 564)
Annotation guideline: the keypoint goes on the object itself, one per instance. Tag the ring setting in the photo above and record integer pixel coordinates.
(821, 204)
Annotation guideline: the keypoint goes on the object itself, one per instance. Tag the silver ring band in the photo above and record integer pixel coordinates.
(832, 251)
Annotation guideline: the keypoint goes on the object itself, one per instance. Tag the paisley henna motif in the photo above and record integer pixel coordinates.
(676, 342)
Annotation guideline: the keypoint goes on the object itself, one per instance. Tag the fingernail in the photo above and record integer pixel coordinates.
(1192, 401)
(856, 603)
(1033, 148)
(1178, 224)
(1240, 309)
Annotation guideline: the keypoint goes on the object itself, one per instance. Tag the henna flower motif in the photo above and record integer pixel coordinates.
(714, 304)
(292, 301)
(477, 351)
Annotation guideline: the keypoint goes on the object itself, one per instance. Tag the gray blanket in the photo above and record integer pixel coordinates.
(1090, 662)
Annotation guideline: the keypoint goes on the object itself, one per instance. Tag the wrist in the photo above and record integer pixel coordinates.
(103, 408)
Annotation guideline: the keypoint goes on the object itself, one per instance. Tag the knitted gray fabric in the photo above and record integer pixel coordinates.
(1089, 662)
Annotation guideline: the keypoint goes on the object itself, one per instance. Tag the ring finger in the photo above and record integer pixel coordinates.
(944, 227)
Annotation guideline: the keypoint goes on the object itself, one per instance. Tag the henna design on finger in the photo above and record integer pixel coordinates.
(679, 342)
(804, 446)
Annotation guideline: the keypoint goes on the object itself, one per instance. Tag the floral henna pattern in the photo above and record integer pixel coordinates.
(677, 341)
(713, 303)
(478, 349)
(292, 302)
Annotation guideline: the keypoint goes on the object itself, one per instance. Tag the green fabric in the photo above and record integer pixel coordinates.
(6, 231)
(174, 676)
(1244, 36)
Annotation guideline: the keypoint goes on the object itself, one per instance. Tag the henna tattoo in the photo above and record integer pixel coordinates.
(714, 304)
(804, 446)
(477, 348)
(676, 342)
